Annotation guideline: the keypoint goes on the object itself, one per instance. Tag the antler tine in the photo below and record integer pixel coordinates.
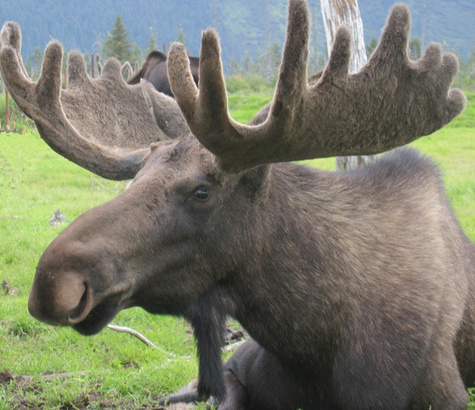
(11, 34)
(206, 110)
(181, 80)
(389, 103)
(103, 124)
(339, 61)
(77, 75)
(48, 87)
(292, 82)
(237, 146)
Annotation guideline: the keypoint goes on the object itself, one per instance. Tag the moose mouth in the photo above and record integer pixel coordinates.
(98, 318)
(100, 315)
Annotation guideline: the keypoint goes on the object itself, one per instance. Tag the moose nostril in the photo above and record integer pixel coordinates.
(54, 298)
(82, 309)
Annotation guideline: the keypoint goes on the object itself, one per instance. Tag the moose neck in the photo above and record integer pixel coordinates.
(295, 275)
(275, 258)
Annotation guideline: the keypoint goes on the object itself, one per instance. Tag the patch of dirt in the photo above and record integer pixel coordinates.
(6, 377)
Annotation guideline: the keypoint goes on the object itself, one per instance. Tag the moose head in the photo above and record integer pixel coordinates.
(154, 70)
(357, 288)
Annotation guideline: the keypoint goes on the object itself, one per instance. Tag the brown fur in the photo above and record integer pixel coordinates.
(354, 284)
(154, 70)
(357, 288)
(301, 123)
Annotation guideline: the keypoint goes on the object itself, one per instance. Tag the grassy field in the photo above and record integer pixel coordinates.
(58, 368)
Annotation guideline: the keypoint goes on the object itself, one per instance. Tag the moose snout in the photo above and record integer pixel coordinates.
(62, 301)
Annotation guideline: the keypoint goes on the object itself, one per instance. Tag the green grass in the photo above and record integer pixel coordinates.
(246, 104)
(34, 182)
(114, 369)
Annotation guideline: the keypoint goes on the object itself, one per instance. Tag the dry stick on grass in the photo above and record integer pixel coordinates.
(133, 333)
(51, 376)
(143, 339)
(140, 336)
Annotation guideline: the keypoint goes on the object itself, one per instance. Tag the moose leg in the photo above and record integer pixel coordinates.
(209, 330)
(187, 394)
(237, 397)
(208, 321)
(256, 379)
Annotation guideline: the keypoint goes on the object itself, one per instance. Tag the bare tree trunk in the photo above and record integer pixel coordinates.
(346, 12)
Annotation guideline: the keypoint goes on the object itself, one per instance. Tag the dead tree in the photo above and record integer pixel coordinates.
(337, 13)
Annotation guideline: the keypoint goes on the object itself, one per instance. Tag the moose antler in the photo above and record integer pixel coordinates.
(105, 125)
(389, 103)
(102, 124)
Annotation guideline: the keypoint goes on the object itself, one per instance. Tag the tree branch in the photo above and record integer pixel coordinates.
(133, 333)
(138, 335)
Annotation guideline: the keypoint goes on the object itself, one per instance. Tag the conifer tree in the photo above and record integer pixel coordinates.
(371, 46)
(247, 65)
(233, 68)
(33, 63)
(152, 42)
(181, 36)
(415, 48)
(117, 43)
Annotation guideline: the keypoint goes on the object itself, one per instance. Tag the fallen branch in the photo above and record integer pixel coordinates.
(133, 333)
(124, 329)
(143, 339)
(52, 376)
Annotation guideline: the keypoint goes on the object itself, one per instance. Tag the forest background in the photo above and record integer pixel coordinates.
(252, 32)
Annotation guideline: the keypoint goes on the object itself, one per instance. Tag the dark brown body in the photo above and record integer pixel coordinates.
(154, 70)
(388, 282)
(357, 288)
(354, 283)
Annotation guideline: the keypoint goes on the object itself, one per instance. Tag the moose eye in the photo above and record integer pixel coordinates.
(201, 193)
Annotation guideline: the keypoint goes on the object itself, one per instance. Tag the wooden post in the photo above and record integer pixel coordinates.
(337, 13)
(99, 64)
(165, 48)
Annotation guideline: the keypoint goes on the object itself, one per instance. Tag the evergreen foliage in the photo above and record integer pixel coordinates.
(371, 46)
(152, 42)
(181, 36)
(247, 25)
(118, 45)
(33, 63)
(251, 33)
(415, 48)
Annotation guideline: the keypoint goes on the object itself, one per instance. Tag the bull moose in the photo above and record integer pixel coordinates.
(357, 288)
(154, 70)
